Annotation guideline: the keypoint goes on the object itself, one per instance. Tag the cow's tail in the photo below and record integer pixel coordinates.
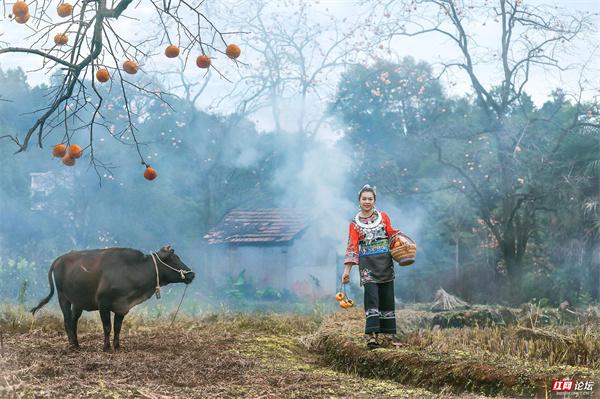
(47, 299)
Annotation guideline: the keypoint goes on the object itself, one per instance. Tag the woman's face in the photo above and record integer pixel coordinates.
(367, 201)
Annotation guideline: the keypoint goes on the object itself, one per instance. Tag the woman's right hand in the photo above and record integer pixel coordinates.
(346, 277)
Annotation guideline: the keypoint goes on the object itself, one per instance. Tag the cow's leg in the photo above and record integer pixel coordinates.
(105, 316)
(118, 322)
(76, 312)
(65, 306)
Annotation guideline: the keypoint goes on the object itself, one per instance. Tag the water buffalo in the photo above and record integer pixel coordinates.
(110, 280)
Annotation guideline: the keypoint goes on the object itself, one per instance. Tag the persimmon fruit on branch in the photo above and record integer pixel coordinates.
(81, 46)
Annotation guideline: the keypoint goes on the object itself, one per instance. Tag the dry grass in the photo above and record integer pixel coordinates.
(554, 346)
(281, 355)
(224, 356)
(511, 361)
(532, 333)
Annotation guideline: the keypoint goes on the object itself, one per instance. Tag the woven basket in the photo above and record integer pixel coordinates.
(403, 249)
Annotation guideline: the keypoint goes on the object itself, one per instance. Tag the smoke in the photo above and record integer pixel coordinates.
(319, 185)
(408, 217)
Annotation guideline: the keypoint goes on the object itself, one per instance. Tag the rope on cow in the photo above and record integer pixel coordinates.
(181, 272)
(157, 289)
(180, 302)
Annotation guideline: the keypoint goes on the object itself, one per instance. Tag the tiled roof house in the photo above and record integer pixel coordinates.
(275, 247)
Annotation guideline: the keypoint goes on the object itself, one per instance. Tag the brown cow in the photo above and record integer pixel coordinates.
(110, 280)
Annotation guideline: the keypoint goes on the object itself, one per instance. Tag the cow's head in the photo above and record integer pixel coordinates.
(177, 268)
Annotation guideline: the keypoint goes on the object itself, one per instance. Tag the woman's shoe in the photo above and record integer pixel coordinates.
(372, 342)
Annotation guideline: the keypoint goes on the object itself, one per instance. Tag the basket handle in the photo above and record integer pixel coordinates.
(410, 240)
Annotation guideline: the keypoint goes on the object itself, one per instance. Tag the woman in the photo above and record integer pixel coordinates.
(368, 247)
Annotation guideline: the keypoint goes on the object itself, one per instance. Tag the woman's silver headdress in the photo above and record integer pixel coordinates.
(368, 186)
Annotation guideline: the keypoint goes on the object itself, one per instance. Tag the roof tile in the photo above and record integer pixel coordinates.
(259, 225)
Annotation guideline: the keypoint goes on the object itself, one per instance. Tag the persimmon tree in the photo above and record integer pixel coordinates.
(91, 56)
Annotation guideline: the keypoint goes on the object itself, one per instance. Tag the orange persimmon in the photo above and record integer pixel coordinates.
(64, 10)
(172, 51)
(203, 61)
(102, 75)
(130, 67)
(59, 150)
(60, 39)
(20, 9)
(75, 151)
(67, 160)
(233, 51)
(150, 173)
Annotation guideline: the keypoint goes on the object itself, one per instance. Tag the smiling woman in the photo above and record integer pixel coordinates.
(368, 246)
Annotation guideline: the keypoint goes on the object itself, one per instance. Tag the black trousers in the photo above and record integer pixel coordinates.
(379, 308)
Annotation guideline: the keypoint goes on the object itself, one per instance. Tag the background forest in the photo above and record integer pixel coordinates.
(438, 169)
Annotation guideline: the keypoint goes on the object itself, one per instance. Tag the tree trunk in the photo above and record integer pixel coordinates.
(456, 257)
(514, 270)
(595, 271)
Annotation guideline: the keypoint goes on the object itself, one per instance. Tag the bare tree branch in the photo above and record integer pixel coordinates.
(94, 43)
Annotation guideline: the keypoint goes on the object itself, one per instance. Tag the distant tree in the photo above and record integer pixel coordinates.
(505, 186)
(573, 233)
(295, 55)
(388, 109)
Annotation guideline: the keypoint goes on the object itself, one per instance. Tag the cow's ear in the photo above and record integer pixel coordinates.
(166, 248)
(164, 253)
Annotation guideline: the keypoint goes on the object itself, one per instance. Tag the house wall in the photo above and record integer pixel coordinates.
(310, 271)
(264, 264)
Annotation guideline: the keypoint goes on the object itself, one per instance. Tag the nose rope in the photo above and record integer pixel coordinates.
(181, 272)
(157, 289)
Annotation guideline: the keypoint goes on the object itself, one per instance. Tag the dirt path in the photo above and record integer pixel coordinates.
(244, 356)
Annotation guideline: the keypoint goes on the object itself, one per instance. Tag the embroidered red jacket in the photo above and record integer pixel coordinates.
(356, 235)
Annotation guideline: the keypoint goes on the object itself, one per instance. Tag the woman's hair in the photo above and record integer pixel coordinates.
(367, 188)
